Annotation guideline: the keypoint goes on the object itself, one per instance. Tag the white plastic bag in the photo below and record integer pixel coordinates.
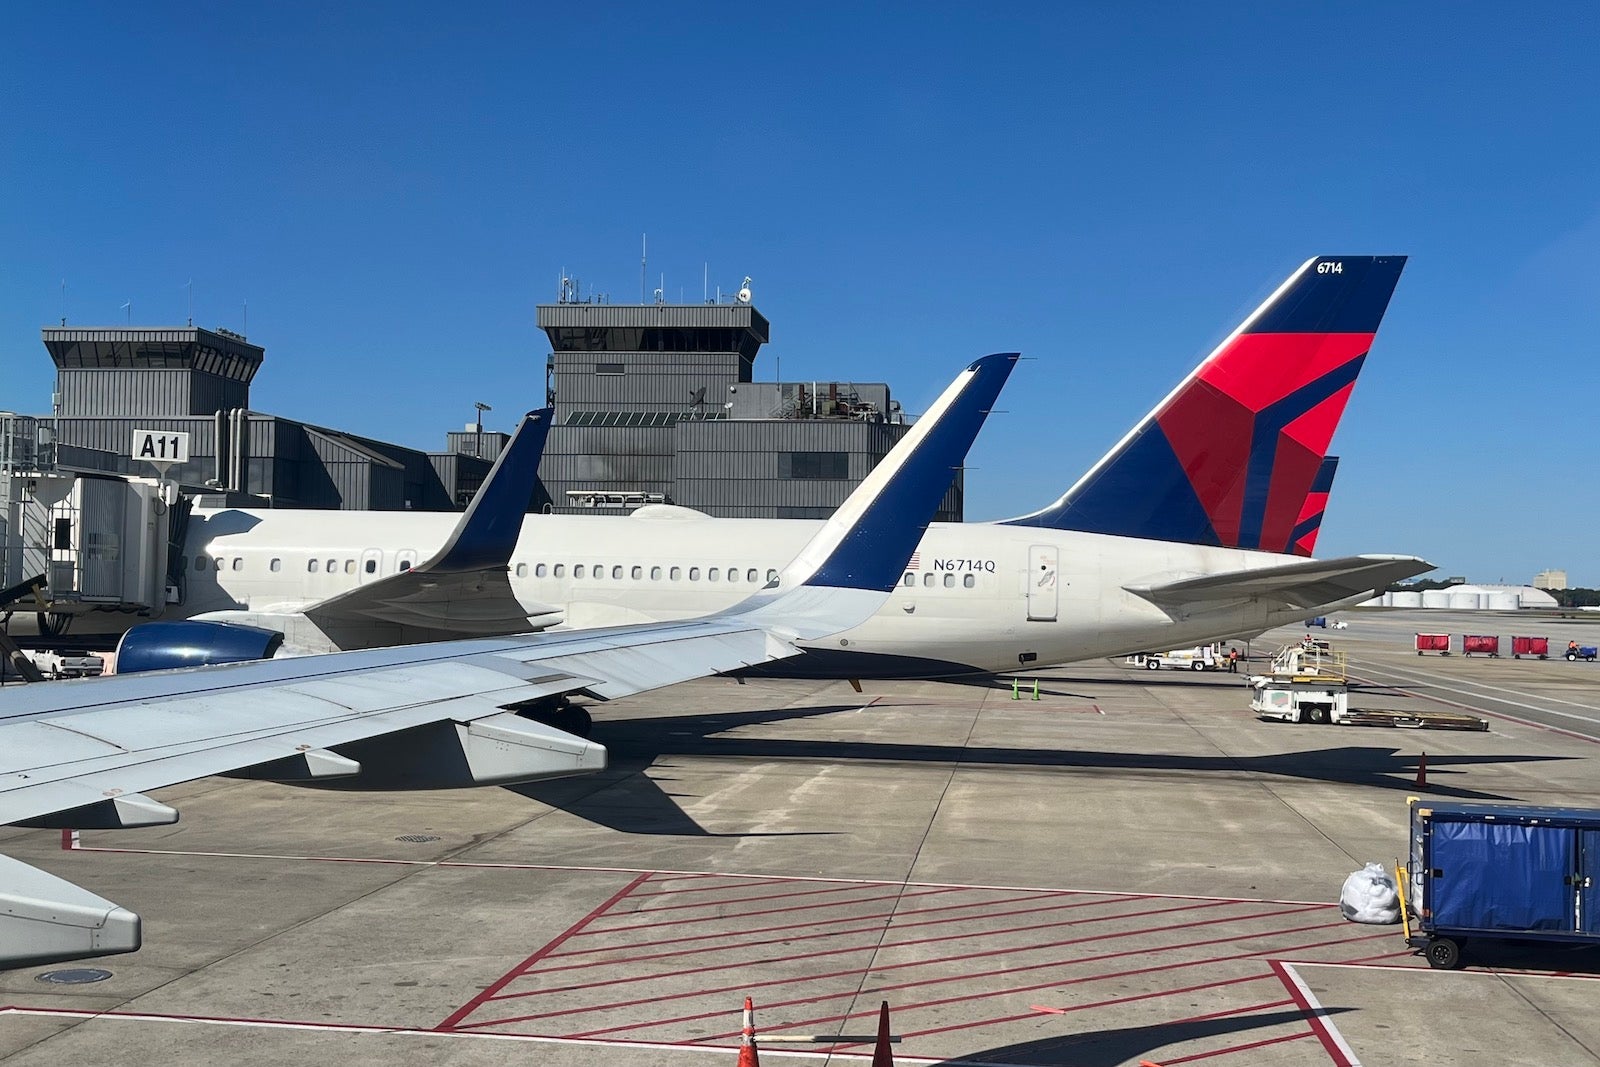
(1369, 896)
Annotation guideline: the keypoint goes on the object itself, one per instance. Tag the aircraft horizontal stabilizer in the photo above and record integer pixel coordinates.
(1306, 584)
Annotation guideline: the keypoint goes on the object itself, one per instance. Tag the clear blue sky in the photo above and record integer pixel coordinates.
(1106, 187)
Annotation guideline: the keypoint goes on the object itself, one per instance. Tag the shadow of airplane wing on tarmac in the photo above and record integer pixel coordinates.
(625, 797)
(1133, 1044)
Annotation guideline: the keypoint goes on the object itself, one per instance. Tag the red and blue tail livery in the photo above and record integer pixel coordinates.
(1234, 455)
(1303, 541)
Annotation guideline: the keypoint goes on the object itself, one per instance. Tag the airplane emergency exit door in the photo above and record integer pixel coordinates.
(1043, 582)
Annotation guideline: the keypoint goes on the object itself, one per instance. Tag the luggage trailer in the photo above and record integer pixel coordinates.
(1510, 872)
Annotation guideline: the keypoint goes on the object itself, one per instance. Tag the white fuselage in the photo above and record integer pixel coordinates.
(975, 597)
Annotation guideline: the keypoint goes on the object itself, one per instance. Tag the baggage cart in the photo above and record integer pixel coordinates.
(1511, 872)
(1439, 643)
(1530, 646)
(1480, 645)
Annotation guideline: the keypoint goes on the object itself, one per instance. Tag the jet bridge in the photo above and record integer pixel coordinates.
(102, 542)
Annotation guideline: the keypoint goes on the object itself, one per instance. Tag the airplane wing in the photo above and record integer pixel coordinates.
(464, 588)
(1308, 583)
(82, 754)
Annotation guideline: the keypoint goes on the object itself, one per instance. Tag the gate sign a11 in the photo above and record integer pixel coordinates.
(160, 446)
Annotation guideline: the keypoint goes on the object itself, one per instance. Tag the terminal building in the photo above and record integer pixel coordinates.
(655, 404)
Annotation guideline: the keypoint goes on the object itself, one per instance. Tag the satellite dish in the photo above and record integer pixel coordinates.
(697, 397)
(660, 297)
(744, 291)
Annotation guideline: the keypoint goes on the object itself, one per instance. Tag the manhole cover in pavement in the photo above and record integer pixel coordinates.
(417, 839)
(74, 976)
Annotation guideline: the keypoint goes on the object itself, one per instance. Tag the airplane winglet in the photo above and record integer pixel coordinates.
(487, 533)
(863, 549)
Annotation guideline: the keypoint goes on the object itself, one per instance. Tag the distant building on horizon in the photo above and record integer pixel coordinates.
(1551, 579)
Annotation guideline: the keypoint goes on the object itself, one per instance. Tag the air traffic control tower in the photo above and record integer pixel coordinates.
(657, 403)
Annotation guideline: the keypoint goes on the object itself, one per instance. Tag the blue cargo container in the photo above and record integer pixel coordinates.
(1507, 871)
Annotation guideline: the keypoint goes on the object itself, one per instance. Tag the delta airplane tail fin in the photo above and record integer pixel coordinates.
(1232, 455)
(1303, 539)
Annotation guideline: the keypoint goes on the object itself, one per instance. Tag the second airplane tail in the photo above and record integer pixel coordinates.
(1233, 456)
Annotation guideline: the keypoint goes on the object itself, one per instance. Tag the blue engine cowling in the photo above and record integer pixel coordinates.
(159, 646)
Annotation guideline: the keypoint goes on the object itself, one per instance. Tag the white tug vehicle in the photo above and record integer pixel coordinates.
(1305, 683)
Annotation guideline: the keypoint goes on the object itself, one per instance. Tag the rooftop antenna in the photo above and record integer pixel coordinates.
(705, 283)
(189, 285)
(244, 327)
(644, 244)
(63, 301)
(128, 307)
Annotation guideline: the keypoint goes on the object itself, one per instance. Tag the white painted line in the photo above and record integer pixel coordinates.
(1319, 1017)
(1411, 674)
(699, 1051)
(1487, 972)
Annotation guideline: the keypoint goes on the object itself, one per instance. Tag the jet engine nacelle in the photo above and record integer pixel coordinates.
(159, 646)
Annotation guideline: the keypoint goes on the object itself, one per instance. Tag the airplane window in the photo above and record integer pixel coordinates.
(638, 572)
(711, 574)
(522, 570)
(349, 566)
(772, 575)
(332, 567)
(616, 571)
(598, 571)
(405, 564)
(675, 573)
(909, 579)
(655, 574)
(577, 570)
(561, 570)
(372, 566)
(733, 574)
(275, 566)
(752, 575)
(694, 574)
(927, 580)
(949, 581)
(238, 564)
(539, 570)
(968, 581)
(311, 566)
(199, 563)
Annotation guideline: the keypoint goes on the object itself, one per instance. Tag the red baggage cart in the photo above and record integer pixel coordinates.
(1439, 643)
(1530, 646)
(1480, 645)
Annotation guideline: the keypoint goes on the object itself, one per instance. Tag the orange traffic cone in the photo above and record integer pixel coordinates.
(881, 1056)
(1422, 772)
(749, 1055)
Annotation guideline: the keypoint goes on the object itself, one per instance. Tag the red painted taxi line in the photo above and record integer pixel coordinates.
(669, 957)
